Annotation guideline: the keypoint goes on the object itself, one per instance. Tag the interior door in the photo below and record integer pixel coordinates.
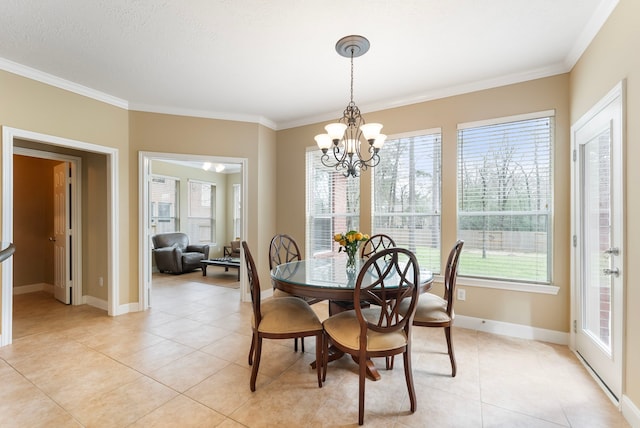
(61, 230)
(599, 239)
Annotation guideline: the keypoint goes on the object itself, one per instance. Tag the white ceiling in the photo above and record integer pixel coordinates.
(274, 62)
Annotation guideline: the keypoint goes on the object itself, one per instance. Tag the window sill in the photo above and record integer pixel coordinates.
(504, 285)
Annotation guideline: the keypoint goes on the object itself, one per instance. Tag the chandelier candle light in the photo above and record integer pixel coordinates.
(346, 134)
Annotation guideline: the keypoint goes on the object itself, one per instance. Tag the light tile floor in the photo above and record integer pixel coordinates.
(184, 363)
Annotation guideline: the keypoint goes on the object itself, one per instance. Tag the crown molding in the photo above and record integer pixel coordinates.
(451, 91)
(176, 111)
(49, 79)
(597, 20)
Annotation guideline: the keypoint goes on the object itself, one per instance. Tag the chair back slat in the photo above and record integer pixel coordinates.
(376, 243)
(283, 249)
(397, 278)
(254, 282)
(451, 274)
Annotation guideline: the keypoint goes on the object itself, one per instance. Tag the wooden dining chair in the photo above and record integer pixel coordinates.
(376, 243)
(281, 318)
(284, 249)
(436, 311)
(380, 330)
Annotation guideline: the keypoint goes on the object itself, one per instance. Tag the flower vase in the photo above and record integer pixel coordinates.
(351, 260)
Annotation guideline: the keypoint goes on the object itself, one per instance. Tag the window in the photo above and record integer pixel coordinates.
(407, 195)
(333, 205)
(201, 218)
(164, 204)
(504, 198)
(237, 209)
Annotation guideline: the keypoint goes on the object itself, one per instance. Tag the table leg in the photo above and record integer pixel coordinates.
(204, 269)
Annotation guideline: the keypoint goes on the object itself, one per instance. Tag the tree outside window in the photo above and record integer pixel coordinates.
(407, 195)
(504, 200)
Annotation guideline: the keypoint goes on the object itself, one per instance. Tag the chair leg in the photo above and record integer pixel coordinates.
(253, 344)
(408, 374)
(389, 361)
(447, 334)
(256, 363)
(325, 355)
(362, 363)
(295, 344)
(319, 361)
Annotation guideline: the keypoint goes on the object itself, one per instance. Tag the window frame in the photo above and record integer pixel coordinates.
(352, 218)
(212, 239)
(155, 220)
(510, 283)
(427, 133)
(237, 209)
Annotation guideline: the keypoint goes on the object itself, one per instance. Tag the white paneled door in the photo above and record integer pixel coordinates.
(61, 227)
(598, 241)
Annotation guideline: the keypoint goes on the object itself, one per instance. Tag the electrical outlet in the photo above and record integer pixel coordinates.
(462, 294)
(100, 281)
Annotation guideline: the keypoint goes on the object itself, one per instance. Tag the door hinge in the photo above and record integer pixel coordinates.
(575, 240)
(575, 326)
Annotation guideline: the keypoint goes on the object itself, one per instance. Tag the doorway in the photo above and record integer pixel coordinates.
(48, 222)
(10, 136)
(146, 227)
(598, 239)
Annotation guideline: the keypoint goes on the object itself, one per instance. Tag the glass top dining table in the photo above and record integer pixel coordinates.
(327, 278)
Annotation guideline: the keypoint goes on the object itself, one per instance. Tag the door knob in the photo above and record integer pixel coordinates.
(614, 271)
(52, 239)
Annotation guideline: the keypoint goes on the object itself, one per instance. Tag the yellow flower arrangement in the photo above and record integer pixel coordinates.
(349, 243)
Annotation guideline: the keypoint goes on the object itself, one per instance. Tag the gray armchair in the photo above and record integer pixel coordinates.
(173, 254)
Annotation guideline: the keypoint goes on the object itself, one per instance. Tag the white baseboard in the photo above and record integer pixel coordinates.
(126, 308)
(32, 288)
(95, 302)
(630, 411)
(513, 330)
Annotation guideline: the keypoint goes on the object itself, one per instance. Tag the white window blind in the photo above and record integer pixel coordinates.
(237, 210)
(333, 205)
(164, 204)
(407, 195)
(504, 199)
(201, 216)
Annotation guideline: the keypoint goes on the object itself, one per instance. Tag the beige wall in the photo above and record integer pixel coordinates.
(153, 132)
(33, 106)
(33, 220)
(537, 310)
(611, 57)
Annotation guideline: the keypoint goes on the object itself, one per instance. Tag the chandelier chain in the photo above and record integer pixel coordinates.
(352, 75)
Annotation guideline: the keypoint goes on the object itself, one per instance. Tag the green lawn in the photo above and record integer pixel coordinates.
(517, 267)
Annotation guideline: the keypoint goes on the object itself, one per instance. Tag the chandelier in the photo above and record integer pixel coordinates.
(344, 137)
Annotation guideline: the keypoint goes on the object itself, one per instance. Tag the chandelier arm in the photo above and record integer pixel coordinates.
(373, 160)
